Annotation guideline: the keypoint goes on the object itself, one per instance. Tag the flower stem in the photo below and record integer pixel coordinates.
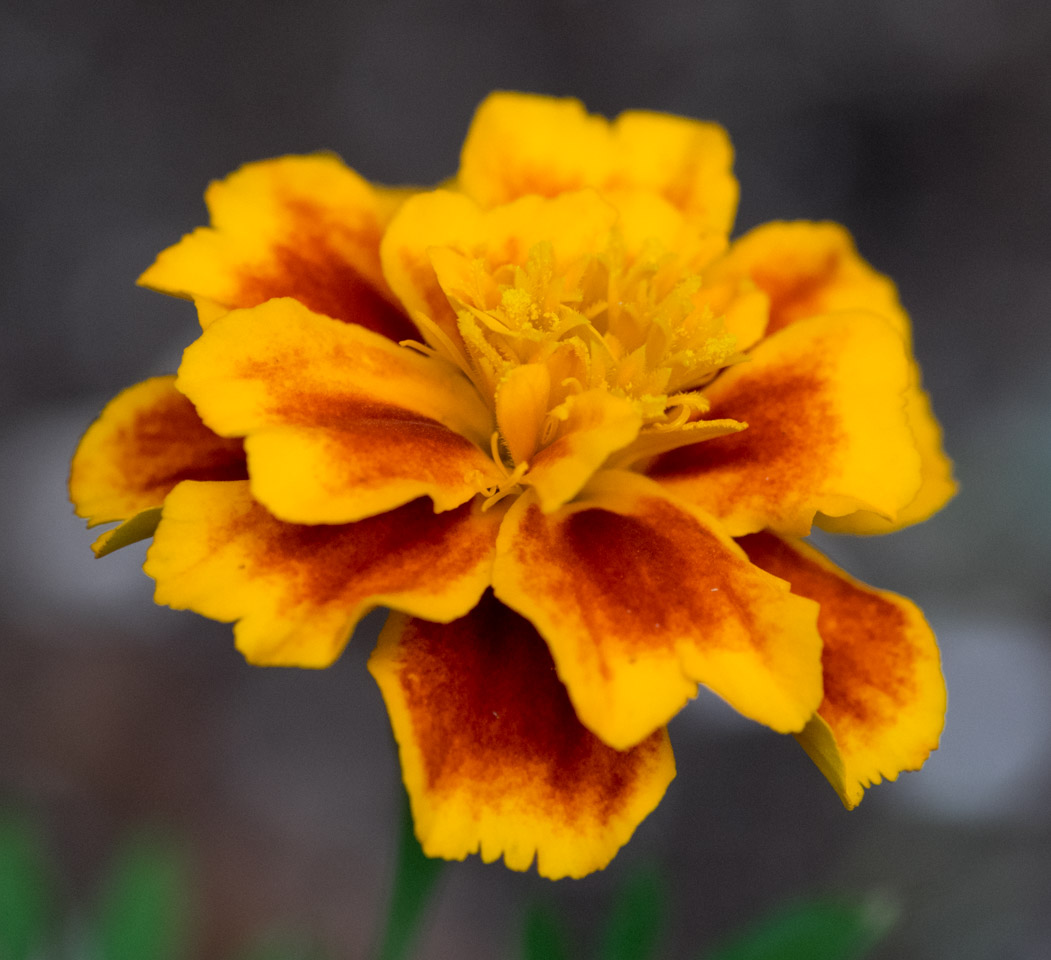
(415, 878)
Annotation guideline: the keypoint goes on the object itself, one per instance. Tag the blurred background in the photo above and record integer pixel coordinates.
(924, 127)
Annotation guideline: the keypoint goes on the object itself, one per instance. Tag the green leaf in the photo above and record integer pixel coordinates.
(813, 930)
(24, 891)
(143, 910)
(543, 937)
(635, 923)
(414, 881)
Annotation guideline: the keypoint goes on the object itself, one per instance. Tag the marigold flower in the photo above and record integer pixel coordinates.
(571, 436)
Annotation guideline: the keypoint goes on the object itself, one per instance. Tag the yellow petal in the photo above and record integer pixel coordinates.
(304, 227)
(688, 162)
(645, 218)
(641, 597)
(653, 442)
(744, 308)
(340, 422)
(437, 219)
(521, 144)
(937, 486)
(297, 591)
(884, 702)
(575, 225)
(522, 400)
(493, 757)
(148, 438)
(596, 424)
(824, 400)
(809, 269)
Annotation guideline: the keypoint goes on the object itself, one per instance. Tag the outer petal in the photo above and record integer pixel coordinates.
(809, 269)
(641, 597)
(148, 438)
(937, 487)
(824, 402)
(884, 699)
(341, 423)
(494, 759)
(304, 227)
(297, 591)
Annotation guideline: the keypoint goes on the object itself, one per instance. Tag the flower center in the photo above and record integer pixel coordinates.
(542, 340)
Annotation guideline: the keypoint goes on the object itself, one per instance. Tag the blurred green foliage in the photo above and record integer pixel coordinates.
(283, 947)
(24, 890)
(824, 929)
(143, 912)
(635, 922)
(817, 929)
(544, 936)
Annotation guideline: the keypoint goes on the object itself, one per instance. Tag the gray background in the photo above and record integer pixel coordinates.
(925, 127)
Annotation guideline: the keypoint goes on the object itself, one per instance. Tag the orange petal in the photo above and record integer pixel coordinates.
(641, 597)
(297, 591)
(340, 422)
(884, 702)
(809, 269)
(521, 144)
(148, 438)
(493, 757)
(304, 227)
(824, 401)
(937, 486)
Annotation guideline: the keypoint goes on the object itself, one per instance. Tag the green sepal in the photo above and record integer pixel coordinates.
(137, 528)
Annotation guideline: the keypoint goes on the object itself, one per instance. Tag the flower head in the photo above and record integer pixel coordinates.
(571, 436)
